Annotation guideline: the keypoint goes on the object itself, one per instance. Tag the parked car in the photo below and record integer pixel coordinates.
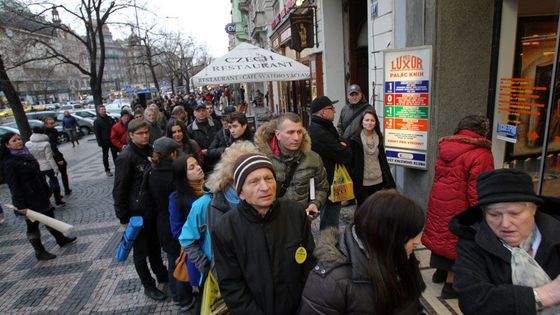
(90, 113)
(63, 136)
(70, 107)
(118, 105)
(85, 126)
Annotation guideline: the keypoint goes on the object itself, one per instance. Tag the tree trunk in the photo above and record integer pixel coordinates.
(15, 103)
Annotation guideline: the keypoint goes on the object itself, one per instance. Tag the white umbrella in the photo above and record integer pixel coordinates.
(248, 63)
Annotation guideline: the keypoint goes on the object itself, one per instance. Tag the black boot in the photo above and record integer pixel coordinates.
(61, 240)
(40, 251)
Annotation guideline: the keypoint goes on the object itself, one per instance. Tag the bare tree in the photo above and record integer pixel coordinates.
(180, 56)
(14, 101)
(92, 16)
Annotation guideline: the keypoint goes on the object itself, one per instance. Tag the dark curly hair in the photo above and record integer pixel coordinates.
(475, 123)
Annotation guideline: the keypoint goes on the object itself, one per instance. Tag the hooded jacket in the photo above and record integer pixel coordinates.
(341, 279)
(483, 267)
(255, 258)
(310, 166)
(462, 157)
(40, 148)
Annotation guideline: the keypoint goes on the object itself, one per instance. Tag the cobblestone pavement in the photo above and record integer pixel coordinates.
(85, 278)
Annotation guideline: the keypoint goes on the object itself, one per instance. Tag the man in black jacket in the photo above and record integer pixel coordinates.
(203, 130)
(102, 128)
(263, 249)
(131, 199)
(52, 133)
(326, 142)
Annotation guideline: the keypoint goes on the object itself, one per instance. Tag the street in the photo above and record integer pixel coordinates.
(85, 278)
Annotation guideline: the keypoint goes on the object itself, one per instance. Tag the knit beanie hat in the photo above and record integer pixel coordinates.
(246, 164)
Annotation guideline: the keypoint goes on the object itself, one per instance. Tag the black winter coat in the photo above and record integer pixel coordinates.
(28, 186)
(204, 136)
(356, 169)
(129, 196)
(326, 142)
(52, 133)
(102, 129)
(340, 283)
(255, 258)
(224, 140)
(160, 186)
(483, 266)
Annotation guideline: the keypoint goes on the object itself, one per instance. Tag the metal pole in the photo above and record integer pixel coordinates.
(549, 110)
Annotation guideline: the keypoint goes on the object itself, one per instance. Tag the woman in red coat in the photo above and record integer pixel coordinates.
(462, 157)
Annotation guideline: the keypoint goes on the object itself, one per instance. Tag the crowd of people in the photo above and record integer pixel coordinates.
(239, 204)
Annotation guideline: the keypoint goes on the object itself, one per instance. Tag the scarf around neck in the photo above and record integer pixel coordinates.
(526, 271)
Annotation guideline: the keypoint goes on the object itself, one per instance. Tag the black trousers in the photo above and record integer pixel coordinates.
(53, 183)
(63, 174)
(33, 227)
(367, 191)
(147, 248)
(105, 149)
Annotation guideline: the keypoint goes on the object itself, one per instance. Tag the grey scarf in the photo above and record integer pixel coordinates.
(525, 271)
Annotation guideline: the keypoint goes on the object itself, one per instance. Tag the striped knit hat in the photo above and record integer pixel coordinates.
(246, 164)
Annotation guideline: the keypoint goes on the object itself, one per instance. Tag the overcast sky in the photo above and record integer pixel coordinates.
(205, 20)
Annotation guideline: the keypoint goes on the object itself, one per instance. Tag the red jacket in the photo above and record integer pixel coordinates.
(462, 157)
(119, 136)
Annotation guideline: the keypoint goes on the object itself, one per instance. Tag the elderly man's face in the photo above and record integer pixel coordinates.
(512, 222)
(259, 189)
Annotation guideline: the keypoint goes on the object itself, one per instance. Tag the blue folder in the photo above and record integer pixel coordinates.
(134, 227)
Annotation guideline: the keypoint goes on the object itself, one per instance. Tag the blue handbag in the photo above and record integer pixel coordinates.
(134, 227)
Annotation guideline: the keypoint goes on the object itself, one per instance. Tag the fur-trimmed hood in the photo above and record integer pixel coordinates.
(451, 147)
(327, 250)
(266, 141)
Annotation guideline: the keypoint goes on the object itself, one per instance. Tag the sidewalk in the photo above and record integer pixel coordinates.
(85, 278)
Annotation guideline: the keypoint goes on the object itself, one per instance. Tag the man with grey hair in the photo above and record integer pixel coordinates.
(263, 248)
(179, 113)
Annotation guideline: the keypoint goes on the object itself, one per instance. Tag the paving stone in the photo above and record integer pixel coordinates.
(57, 270)
(85, 278)
(128, 286)
(32, 297)
(5, 286)
(5, 257)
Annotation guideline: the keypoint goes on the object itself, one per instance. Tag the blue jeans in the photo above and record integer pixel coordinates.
(329, 215)
(181, 291)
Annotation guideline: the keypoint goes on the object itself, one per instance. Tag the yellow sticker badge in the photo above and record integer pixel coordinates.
(301, 255)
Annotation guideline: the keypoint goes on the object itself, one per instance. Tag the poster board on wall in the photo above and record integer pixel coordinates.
(407, 102)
